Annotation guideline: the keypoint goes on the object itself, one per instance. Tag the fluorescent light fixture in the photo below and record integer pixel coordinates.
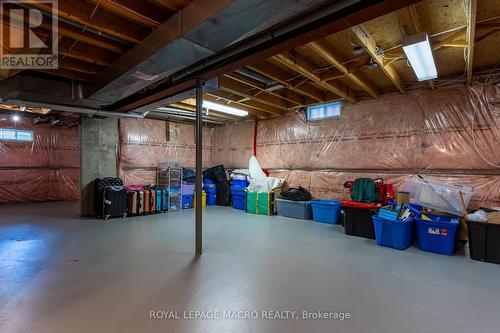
(16, 118)
(224, 109)
(418, 51)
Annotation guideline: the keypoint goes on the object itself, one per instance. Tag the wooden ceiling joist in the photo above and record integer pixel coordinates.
(85, 52)
(281, 76)
(170, 4)
(190, 105)
(327, 52)
(471, 30)
(283, 93)
(232, 86)
(486, 35)
(79, 66)
(219, 97)
(65, 29)
(370, 46)
(95, 17)
(306, 70)
(138, 11)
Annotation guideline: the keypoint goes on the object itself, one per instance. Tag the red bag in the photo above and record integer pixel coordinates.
(386, 191)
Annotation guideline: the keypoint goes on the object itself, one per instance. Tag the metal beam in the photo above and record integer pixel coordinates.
(306, 70)
(370, 46)
(471, 30)
(199, 167)
(327, 52)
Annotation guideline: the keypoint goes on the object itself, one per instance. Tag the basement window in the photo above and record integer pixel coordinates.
(324, 111)
(11, 134)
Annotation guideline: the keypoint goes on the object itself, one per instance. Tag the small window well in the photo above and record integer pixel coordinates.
(16, 135)
(324, 111)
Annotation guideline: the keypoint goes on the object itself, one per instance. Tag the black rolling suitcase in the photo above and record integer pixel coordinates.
(115, 202)
(223, 194)
(100, 185)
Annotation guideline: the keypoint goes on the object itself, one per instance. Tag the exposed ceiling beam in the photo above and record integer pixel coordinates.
(85, 52)
(410, 20)
(170, 4)
(457, 34)
(370, 46)
(79, 66)
(233, 86)
(219, 97)
(471, 30)
(65, 29)
(486, 35)
(488, 25)
(281, 76)
(92, 16)
(190, 105)
(300, 66)
(89, 38)
(327, 52)
(283, 93)
(138, 11)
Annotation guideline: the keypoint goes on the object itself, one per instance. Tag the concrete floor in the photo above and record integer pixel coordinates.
(59, 273)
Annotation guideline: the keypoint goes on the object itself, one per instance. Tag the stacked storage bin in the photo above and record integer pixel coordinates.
(211, 191)
(238, 187)
(187, 195)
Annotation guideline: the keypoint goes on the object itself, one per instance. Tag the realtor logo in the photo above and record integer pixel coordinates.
(28, 36)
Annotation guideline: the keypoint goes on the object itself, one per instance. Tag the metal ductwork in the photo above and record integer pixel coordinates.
(41, 89)
(69, 108)
(198, 31)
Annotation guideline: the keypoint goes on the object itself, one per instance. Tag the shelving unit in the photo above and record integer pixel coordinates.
(171, 178)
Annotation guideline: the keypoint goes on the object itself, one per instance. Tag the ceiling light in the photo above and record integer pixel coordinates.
(357, 50)
(419, 53)
(372, 64)
(15, 118)
(224, 109)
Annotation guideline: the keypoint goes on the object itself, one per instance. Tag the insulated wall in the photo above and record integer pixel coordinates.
(42, 170)
(429, 133)
(144, 143)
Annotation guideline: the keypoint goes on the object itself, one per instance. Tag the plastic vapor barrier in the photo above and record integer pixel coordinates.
(42, 170)
(391, 137)
(145, 143)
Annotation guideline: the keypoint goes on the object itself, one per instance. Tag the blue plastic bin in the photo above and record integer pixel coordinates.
(240, 183)
(187, 201)
(326, 211)
(211, 196)
(393, 233)
(437, 235)
(208, 181)
(238, 194)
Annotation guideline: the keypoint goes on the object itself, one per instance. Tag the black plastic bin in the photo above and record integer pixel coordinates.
(484, 241)
(358, 222)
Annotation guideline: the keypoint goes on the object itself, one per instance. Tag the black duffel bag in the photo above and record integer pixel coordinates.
(216, 173)
(296, 194)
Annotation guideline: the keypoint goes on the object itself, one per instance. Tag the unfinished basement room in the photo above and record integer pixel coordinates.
(264, 166)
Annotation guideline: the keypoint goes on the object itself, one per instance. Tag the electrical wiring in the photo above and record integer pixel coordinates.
(482, 93)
